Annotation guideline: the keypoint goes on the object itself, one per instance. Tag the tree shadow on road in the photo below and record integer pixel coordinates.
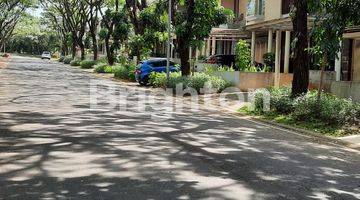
(102, 155)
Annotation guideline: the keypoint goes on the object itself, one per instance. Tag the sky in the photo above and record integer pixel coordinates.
(35, 12)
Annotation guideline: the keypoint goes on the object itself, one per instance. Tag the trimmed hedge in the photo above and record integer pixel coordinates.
(199, 81)
(75, 62)
(103, 68)
(87, 64)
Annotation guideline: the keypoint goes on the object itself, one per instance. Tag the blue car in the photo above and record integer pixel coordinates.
(144, 69)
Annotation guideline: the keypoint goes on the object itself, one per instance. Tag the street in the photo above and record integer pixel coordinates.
(53, 146)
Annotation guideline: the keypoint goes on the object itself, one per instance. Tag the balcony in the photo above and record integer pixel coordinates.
(237, 23)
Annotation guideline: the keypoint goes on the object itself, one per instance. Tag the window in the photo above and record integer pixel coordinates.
(161, 63)
(256, 8)
(260, 7)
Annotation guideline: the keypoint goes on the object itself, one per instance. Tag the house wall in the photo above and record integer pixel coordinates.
(272, 9)
(229, 4)
(243, 6)
(346, 89)
(356, 60)
(260, 49)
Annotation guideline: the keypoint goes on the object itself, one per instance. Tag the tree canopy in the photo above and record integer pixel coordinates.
(11, 11)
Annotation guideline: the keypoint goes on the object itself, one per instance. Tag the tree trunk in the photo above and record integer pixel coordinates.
(184, 57)
(64, 49)
(82, 49)
(138, 55)
(73, 50)
(82, 53)
(301, 58)
(323, 65)
(95, 46)
(109, 52)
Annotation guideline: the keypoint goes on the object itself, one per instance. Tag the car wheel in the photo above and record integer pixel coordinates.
(144, 81)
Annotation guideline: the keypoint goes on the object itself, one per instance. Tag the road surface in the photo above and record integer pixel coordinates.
(53, 146)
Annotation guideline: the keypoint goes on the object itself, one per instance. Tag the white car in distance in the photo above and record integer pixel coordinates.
(46, 55)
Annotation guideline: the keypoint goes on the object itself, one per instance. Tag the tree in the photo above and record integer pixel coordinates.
(52, 17)
(115, 27)
(331, 19)
(75, 17)
(153, 20)
(33, 36)
(93, 22)
(301, 57)
(11, 11)
(193, 21)
(134, 8)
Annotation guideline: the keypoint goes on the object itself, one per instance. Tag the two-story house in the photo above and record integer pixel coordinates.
(271, 31)
(223, 39)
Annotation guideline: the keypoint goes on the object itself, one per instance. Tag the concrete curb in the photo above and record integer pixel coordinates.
(314, 135)
(305, 132)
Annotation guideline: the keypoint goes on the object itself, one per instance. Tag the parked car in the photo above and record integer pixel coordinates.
(221, 60)
(144, 69)
(46, 55)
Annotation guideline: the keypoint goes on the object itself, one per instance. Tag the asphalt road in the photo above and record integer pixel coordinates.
(53, 146)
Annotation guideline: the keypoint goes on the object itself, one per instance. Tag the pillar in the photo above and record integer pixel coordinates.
(277, 59)
(203, 49)
(270, 41)
(234, 43)
(197, 54)
(213, 50)
(287, 52)
(253, 40)
(190, 53)
(338, 64)
(208, 47)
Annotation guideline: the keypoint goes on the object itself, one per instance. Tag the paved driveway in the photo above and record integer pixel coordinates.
(53, 146)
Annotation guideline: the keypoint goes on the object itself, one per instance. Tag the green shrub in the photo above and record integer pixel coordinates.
(157, 79)
(198, 81)
(100, 67)
(281, 101)
(330, 114)
(125, 72)
(61, 59)
(330, 109)
(250, 69)
(87, 64)
(122, 59)
(175, 79)
(102, 60)
(75, 62)
(242, 55)
(269, 59)
(67, 60)
(258, 100)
